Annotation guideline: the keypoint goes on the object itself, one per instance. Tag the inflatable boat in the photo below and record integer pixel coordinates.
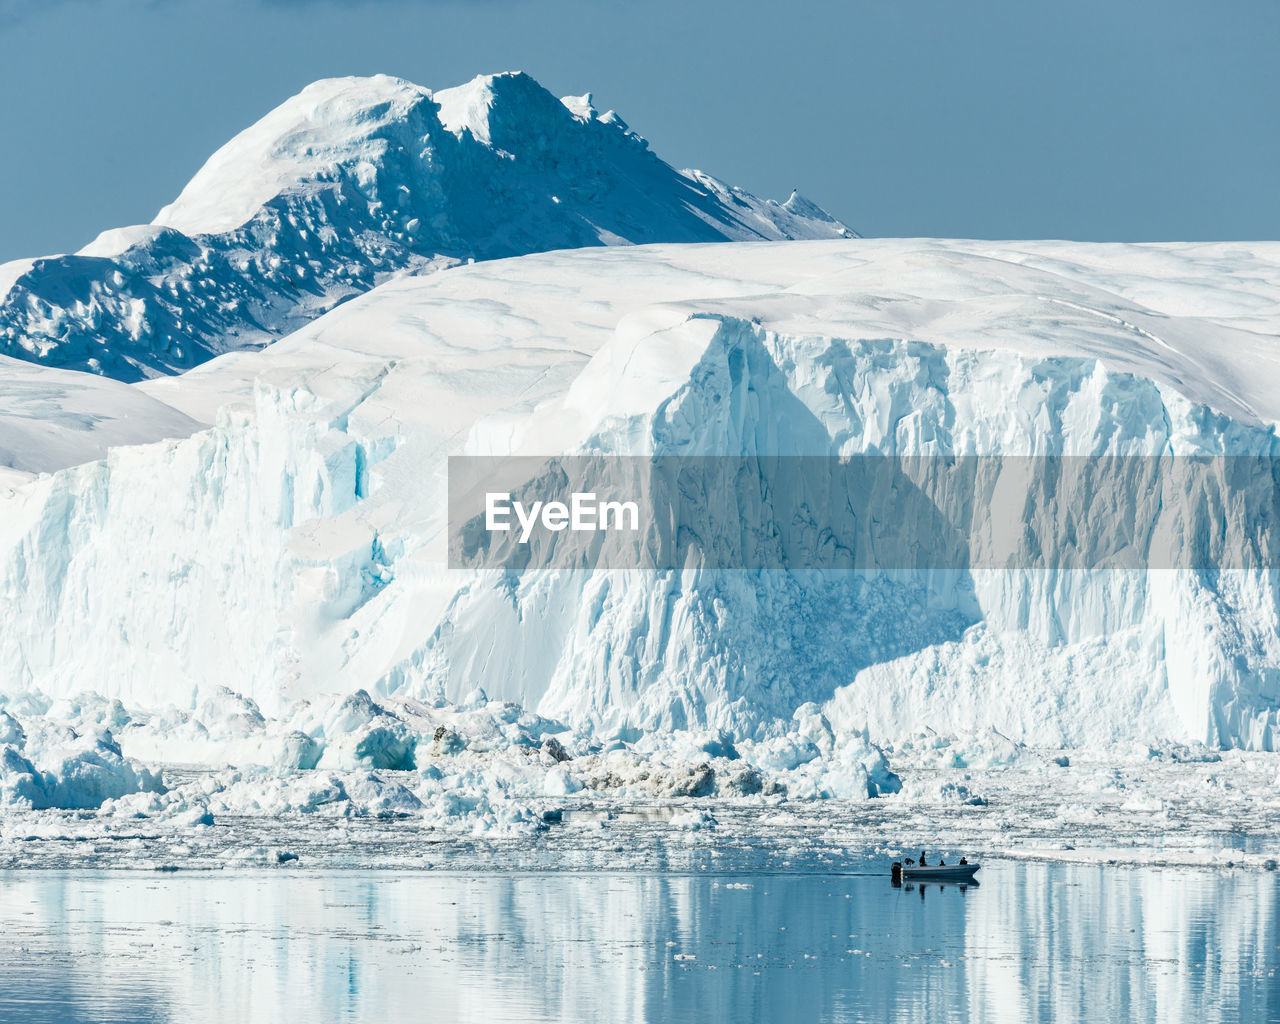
(934, 873)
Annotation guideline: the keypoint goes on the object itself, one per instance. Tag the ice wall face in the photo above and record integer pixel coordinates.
(298, 547)
(1056, 657)
(352, 181)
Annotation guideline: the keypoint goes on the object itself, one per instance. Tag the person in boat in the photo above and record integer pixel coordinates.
(942, 863)
(922, 863)
(964, 861)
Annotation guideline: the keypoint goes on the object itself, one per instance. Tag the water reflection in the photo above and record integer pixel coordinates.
(1032, 943)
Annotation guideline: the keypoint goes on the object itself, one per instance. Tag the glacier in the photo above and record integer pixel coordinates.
(295, 549)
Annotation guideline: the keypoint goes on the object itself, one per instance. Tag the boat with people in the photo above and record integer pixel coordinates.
(909, 870)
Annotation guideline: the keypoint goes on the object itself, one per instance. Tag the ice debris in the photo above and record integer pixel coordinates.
(477, 766)
(46, 765)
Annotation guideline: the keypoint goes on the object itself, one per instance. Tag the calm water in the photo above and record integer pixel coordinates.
(1032, 943)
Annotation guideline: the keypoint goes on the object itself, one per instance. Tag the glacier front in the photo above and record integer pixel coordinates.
(296, 548)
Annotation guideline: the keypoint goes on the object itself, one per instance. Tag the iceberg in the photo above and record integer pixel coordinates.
(296, 548)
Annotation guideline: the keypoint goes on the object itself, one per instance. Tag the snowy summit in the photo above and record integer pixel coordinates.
(346, 184)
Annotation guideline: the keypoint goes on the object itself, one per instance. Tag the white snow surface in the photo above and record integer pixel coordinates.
(51, 419)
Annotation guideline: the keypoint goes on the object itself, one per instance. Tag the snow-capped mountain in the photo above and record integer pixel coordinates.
(346, 184)
(297, 547)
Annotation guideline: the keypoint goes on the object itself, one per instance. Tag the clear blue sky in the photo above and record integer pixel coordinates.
(1089, 119)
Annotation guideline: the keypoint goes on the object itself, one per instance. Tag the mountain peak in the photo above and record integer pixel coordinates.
(331, 122)
(798, 206)
(505, 111)
(581, 106)
(347, 183)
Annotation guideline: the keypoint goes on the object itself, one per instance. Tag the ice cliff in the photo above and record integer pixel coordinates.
(296, 548)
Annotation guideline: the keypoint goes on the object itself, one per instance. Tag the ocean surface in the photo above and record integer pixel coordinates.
(1031, 942)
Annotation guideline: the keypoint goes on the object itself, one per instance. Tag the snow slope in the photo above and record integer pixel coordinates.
(51, 419)
(297, 547)
(346, 184)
